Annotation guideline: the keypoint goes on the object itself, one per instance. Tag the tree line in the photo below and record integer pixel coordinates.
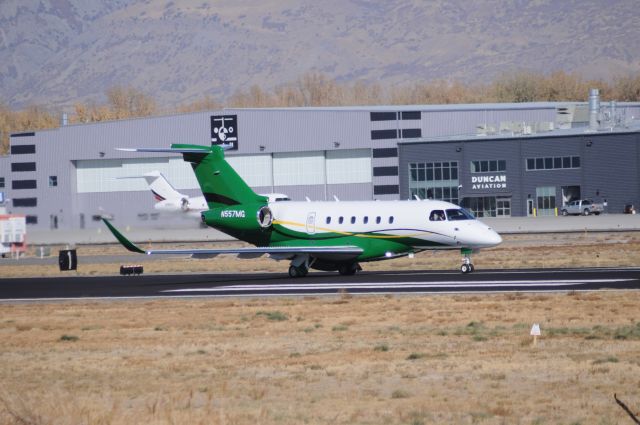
(317, 89)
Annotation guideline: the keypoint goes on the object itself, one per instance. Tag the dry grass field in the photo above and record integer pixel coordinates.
(335, 360)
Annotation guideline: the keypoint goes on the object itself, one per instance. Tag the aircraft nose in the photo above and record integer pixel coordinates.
(493, 238)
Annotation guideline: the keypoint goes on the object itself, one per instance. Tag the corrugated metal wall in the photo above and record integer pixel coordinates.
(260, 131)
(609, 166)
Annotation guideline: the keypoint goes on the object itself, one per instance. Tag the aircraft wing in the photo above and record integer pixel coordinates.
(335, 252)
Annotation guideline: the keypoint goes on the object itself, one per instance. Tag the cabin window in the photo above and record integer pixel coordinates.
(340, 220)
(328, 220)
(365, 220)
(378, 219)
(391, 220)
(459, 214)
(353, 220)
(437, 215)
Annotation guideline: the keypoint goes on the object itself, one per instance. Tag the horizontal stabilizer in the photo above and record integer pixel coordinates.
(204, 149)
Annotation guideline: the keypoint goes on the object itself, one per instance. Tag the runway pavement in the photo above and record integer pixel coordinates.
(277, 284)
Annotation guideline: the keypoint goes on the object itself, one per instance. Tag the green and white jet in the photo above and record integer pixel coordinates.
(320, 235)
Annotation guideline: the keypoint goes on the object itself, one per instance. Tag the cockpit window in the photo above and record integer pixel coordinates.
(437, 215)
(459, 214)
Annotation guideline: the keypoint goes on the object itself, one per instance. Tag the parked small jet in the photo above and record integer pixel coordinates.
(170, 200)
(320, 235)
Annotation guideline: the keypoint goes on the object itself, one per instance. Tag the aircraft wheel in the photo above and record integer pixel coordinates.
(293, 271)
(298, 271)
(348, 269)
(466, 268)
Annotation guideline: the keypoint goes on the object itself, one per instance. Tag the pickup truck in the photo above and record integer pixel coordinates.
(582, 206)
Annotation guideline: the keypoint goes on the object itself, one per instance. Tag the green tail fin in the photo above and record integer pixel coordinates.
(220, 184)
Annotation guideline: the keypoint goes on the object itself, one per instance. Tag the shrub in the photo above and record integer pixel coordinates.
(416, 356)
(400, 394)
(71, 338)
(381, 347)
(277, 316)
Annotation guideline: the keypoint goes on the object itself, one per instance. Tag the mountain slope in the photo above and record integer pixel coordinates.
(60, 51)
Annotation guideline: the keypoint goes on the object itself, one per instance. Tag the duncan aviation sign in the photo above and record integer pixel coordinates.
(489, 182)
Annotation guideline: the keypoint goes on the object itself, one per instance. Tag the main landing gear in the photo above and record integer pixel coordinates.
(467, 265)
(349, 269)
(300, 266)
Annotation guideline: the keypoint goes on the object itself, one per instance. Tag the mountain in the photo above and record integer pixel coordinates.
(57, 52)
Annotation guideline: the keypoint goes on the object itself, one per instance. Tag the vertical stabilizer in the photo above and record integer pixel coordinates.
(219, 182)
(161, 188)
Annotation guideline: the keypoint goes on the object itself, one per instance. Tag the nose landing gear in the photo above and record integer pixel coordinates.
(299, 271)
(467, 265)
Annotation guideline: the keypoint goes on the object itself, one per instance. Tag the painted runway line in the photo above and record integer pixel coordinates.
(397, 286)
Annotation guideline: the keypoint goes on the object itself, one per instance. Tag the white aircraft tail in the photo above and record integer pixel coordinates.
(161, 188)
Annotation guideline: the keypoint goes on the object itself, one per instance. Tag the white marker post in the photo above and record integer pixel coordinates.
(535, 332)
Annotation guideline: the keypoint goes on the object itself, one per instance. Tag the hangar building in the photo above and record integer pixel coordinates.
(496, 159)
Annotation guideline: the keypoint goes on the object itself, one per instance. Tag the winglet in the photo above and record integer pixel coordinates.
(124, 241)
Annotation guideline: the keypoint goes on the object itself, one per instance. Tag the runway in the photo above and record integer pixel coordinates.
(276, 284)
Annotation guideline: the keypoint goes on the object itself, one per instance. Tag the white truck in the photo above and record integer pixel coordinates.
(582, 206)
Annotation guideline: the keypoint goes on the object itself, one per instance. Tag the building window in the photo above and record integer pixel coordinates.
(489, 166)
(1, 182)
(553, 163)
(25, 202)
(386, 189)
(384, 134)
(434, 180)
(411, 115)
(411, 133)
(25, 134)
(385, 153)
(503, 207)
(482, 206)
(385, 171)
(22, 149)
(383, 116)
(23, 184)
(53, 181)
(23, 166)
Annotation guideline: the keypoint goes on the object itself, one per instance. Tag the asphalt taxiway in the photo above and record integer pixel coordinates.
(277, 284)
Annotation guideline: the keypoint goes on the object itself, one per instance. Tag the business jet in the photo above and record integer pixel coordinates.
(172, 201)
(330, 236)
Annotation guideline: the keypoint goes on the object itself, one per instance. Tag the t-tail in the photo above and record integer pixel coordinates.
(234, 207)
